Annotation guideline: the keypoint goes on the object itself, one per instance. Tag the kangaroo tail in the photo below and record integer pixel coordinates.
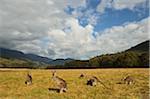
(103, 84)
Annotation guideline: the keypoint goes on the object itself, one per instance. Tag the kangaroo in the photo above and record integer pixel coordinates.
(128, 80)
(28, 79)
(62, 85)
(92, 80)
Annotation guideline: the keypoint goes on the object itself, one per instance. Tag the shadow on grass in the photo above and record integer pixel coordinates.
(119, 83)
(54, 89)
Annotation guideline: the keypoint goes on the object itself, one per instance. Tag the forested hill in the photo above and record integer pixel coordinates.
(142, 47)
(135, 57)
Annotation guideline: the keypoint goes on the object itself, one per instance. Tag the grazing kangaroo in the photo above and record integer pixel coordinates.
(28, 79)
(128, 80)
(92, 80)
(60, 82)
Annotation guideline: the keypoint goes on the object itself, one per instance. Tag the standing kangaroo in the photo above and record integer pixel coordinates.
(62, 85)
(28, 79)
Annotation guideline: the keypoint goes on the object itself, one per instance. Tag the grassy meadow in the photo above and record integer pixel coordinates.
(12, 84)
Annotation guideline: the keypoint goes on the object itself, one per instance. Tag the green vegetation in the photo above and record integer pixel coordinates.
(12, 84)
(17, 63)
(131, 59)
(135, 57)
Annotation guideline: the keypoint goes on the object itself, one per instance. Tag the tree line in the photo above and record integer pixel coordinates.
(129, 59)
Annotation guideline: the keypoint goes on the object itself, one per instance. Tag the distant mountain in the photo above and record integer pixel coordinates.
(38, 58)
(135, 57)
(61, 61)
(142, 47)
(8, 53)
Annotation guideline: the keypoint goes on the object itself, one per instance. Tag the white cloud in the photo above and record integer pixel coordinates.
(72, 43)
(129, 4)
(119, 38)
(120, 4)
(86, 14)
(80, 43)
(22, 22)
(42, 27)
(104, 4)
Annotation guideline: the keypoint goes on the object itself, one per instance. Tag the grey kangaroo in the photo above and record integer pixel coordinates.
(28, 79)
(61, 83)
(128, 80)
(92, 80)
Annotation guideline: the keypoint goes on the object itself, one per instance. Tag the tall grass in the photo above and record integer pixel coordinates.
(12, 84)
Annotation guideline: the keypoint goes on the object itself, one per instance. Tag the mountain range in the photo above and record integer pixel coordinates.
(14, 54)
(8, 53)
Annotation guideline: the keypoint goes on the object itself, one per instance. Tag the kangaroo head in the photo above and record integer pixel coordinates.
(28, 73)
(53, 73)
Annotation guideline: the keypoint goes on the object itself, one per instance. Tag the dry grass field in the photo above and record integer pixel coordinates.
(12, 84)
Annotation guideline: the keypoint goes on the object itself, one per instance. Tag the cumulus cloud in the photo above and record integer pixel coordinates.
(120, 4)
(104, 4)
(24, 22)
(73, 43)
(43, 27)
(129, 4)
(119, 38)
(80, 43)
(87, 12)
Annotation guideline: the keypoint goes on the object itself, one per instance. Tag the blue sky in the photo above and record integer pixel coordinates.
(78, 29)
(111, 17)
